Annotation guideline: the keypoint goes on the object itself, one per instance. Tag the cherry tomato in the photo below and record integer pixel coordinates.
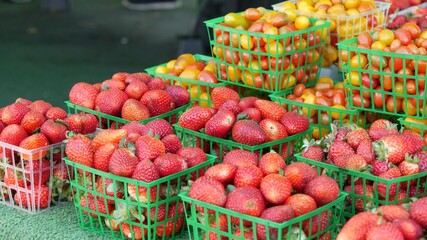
(379, 98)
(252, 14)
(398, 62)
(403, 35)
(387, 80)
(299, 75)
(407, 72)
(280, 63)
(256, 26)
(338, 98)
(358, 61)
(298, 90)
(409, 108)
(422, 80)
(291, 97)
(411, 88)
(395, 44)
(318, 94)
(386, 36)
(421, 65)
(414, 49)
(328, 93)
(365, 39)
(309, 112)
(324, 119)
(413, 29)
(319, 133)
(308, 91)
(231, 56)
(323, 86)
(336, 115)
(298, 59)
(378, 61)
(313, 39)
(323, 101)
(358, 101)
(366, 81)
(394, 105)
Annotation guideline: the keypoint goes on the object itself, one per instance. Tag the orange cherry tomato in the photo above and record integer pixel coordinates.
(364, 39)
(329, 93)
(413, 29)
(358, 101)
(394, 105)
(323, 101)
(299, 89)
(338, 99)
(411, 88)
(379, 99)
(409, 108)
(403, 35)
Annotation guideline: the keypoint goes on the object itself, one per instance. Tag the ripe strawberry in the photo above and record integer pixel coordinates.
(172, 143)
(248, 175)
(195, 118)
(245, 200)
(355, 162)
(379, 167)
(145, 171)
(341, 133)
(422, 156)
(381, 128)
(384, 231)
(273, 129)
(2, 125)
(111, 223)
(158, 102)
(97, 86)
(108, 187)
(40, 106)
(358, 226)
(312, 227)
(410, 229)
(93, 206)
(394, 147)
(323, 189)
(222, 172)
(301, 203)
(79, 149)
(148, 147)
(40, 170)
(409, 166)
(160, 127)
(355, 137)
(246, 234)
(252, 114)
(382, 187)
(136, 89)
(120, 76)
(312, 150)
(240, 157)
(393, 212)
(40, 194)
(277, 214)
(123, 162)
(208, 190)
(110, 101)
(32, 121)
(156, 83)
(14, 113)
(173, 226)
(269, 109)
(111, 83)
(275, 188)
(12, 134)
(220, 95)
(105, 136)
(14, 178)
(133, 231)
(294, 123)
(338, 148)
(56, 113)
(418, 212)
(179, 95)
(134, 110)
(271, 163)
(232, 106)
(169, 164)
(55, 132)
(82, 123)
(23, 101)
(220, 124)
(32, 142)
(366, 151)
(222, 225)
(136, 127)
(248, 132)
(193, 156)
(101, 158)
(360, 192)
(248, 102)
(300, 174)
(141, 76)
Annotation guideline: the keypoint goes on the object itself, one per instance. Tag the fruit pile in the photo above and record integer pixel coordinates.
(266, 188)
(417, 16)
(388, 222)
(397, 5)
(133, 97)
(417, 125)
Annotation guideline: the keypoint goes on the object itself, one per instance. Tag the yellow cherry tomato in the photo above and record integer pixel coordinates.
(336, 115)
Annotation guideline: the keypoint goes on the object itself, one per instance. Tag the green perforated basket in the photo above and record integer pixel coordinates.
(131, 201)
(419, 126)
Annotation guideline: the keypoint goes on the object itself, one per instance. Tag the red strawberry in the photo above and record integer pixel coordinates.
(248, 102)
(93, 206)
(158, 102)
(220, 124)
(422, 156)
(232, 106)
(252, 114)
(14, 113)
(123, 162)
(246, 234)
(134, 110)
(12, 134)
(301, 203)
(382, 187)
(32, 121)
(410, 229)
(269, 109)
(160, 127)
(14, 178)
(101, 158)
(338, 148)
(195, 118)
(240, 157)
(409, 166)
(136, 89)
(108, 187)
(248, 132)
(40, 195)
(172, 143)
(179, 95)
(110, 101)
(366, 151)
(169, 164)
(248, 175)
(97, 86)
(312, 227)
(222, 172)
(2, 125)
(323, 189)
(23, 101)
(40, 106)
(220, 95)
(55, 132)
(111, 83)
(133, 231)
(148, 147)
(360, 191)
(355, 137)
(393, 212)
(273, 129)
(300, 174)
(381, 128)
(79, 149)
(136, 127)
(222, 225)
(105, 136)
(384, 231)
(394, 147)
(193, 156)
(275, 188)
(358, 226)
(120, 76)
(40, 170)
(156, 83)
(418, 212)
(82, 123)
(56, 113)
(271, 163)
(208, 190)
(294, 123)
(245, 200)
(312, 150)
(277, 214)
(355, 162)
(341, 133)
(141, 76)
(145, 171)
(173, 226)
(379, 167)
(32, 142)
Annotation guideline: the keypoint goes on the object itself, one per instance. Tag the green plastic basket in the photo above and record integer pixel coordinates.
(416, 126)
(166, 189)
(401, 186)
(108, 121)
(291, 229)
(403, 99)
(219, 147)
(243, 67)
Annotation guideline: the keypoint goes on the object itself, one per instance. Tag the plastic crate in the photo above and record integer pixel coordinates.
(396, 191)
(165, 192)
(233, 60)
(108, 121)
(291, 229)
(392, 85)
(219, 147)
(419, 126)
(30, 185)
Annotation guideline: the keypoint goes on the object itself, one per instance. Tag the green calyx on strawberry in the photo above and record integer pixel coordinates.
(124, 212)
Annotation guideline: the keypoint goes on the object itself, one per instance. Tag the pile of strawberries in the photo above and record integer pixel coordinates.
(133, 97)
(388, 222)
(266, 188)
(31, 126)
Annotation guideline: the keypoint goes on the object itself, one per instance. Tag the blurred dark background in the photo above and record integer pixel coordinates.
(45, 50)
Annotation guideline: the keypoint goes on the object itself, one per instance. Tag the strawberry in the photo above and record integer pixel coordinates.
(12, 134)
(55, 132)
(422, 157)
(366, 150)
(2, 125)
(379, 167)
(323, 189)
(269, 109)
(341, 133)
(111, 83)
(32, 142)
(248, 132)
(82, 123)
(158, 102)
(110, 101)
(101, 158)
(14, 113)
(382, 187)
(384, 231)
(208, 190)
(134, 110)
(120, 76)
(275, 188)
(111, 223)
(105, 136)
(148, 147)
(245, 200)
(93, 206)
(397, 22)
(136, 127)
(40, 170)
(273, 129)
(136, 89)
(140, 76)
(222, 172)
(220, 224)
(312, 150)
(271, 163)
(32, 121)
(360, 192)
(394, 147)
(179, 95)
(248, 175)
(145, 171)
(301, 203)
(193, 156)
(294, 123)
(247, 233)
(277, 214)
(220, 124)
(79, 149)
(123, 162)
(248, 102)
(355, 137)
(410, 229)
(392, 212)
(409, 166)
(156, 214)
(133, 231)
(108, 187)
(195, 118)
(40, 196)
(169, 164)
(173, 226)
(358, 226)
(97, 86)
(40, 106)
(156, 83)
(172, 143)
(56, 113)
(14, 178)
(418, 212)
(252, 114)
(240, 157)
(160, 127)
(355, 162)
(300, 174)
(312, 227)
(220, 95)
(338, 148)
(23, 101)
(381, 128)
(232, 106)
